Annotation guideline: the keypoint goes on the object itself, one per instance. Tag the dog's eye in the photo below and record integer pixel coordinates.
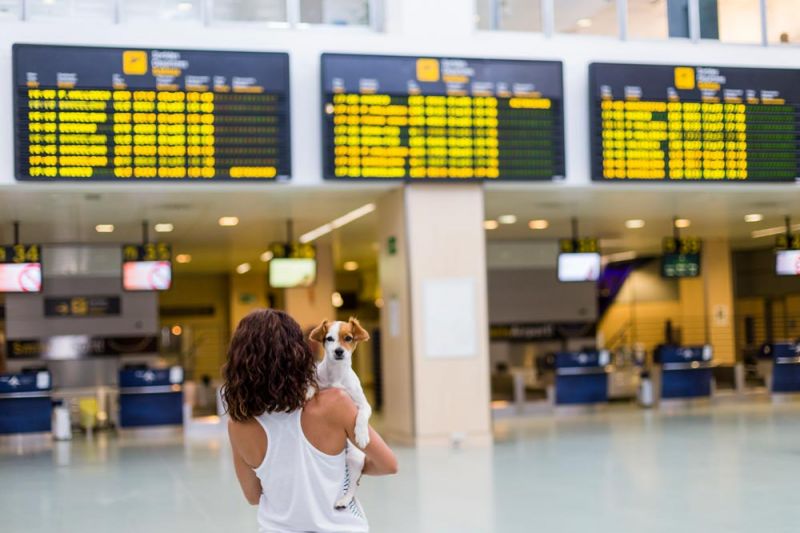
(348, 339)
(328, 339)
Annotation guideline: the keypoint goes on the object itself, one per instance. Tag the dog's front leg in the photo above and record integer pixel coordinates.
(362, 423)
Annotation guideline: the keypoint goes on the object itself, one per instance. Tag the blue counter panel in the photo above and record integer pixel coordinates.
(581, 389)
(786, 377)
(688, 383)
(151, 409)
(25, 415)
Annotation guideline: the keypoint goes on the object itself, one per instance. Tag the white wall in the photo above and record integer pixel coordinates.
(444, 27)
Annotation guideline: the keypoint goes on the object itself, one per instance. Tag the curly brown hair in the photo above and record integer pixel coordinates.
(270, 366)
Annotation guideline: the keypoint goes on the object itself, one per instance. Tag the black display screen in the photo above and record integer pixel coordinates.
(689, 123)
(436, 118)
(133, 114)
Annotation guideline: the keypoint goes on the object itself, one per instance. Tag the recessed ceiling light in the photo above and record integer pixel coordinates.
(176, 330)
(634, 223)
(584, 23)
(350, 266)
(104, 228)
(379, 303)
(490, 224)
(507, 219)
(539, 223)
(682, 223)
(164, 227)
(336, 223)
(244, 268)
(267, 256)
(754, 217)
(183, 258)
(228, 221)
(185, 6)
(336, 300)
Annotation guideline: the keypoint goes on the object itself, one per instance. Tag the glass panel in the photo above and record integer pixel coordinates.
(43, 9)
(647, 19)
(483, 14)
(520, 15)
(10, 9)
(250, 10)
(172, 10)
(337, 12)
(783, 23)
(592, 17)
(732, 21)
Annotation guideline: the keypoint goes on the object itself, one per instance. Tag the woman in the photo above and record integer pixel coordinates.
(289, 452)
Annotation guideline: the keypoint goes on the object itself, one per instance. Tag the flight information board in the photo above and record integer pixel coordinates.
(441, 118)
(683, 123)
(122, 114)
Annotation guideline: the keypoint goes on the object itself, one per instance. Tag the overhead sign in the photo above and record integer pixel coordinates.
(787, 241)
(584, 245)
(128, 114)
(682, 257)
(441, 118)
(20, 268)
(82, 306)
(691, 123)
(147, 267)
(292, 250)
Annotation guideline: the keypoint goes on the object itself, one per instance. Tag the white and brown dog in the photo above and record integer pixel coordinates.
(339, 339)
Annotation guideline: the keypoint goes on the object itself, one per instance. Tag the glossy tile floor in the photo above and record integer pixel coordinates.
(727, 468)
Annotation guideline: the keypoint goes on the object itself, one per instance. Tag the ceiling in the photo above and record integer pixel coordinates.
(70, 216)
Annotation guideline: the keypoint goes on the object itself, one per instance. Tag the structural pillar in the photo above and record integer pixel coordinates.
(707, 303)
(435, 342)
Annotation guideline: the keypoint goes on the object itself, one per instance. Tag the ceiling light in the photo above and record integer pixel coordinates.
(228, 221)
(539, 223)
(164, 227)
(185, 6)
(176, 330)
(183, 258)
(347, 218)
(682, 222)
(490, 224)
(244, 268)
(754, 217)
(768, 232)
(507, 219)
(634, 223)
(267, 256)
(350, 266)
(584, 23)
(104, 228)
(336, 300)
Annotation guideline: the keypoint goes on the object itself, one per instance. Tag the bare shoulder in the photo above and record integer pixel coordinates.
(248, 440)
(334, 403)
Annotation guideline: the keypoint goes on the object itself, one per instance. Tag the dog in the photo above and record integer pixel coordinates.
(339, 339)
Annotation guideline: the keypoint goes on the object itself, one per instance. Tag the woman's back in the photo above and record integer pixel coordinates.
(304, 471)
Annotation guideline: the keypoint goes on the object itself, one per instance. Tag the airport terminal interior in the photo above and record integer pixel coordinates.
(571, 229)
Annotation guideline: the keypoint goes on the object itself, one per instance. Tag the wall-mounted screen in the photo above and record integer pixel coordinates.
(787, 263)
(689, 123)
(21, 268)
(289, 273)
(146, 275)
(131, 114)
(576, 267)
(678, 265)
(441, 118)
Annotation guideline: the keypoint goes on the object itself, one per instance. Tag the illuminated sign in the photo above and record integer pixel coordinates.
(88, 113)
(582, 245)
(428, 118)
(147, 267)
(20, 268)
(682, 123)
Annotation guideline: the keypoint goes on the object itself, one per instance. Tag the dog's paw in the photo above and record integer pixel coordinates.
(343, 503)
(310, 392)
(362, 436)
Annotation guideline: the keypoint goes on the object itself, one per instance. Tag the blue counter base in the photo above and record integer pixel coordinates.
(25, 415)
(153, 409)
(786, 378)
(581, 389)
(688, 383)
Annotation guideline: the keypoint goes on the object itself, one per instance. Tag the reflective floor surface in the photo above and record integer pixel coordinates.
(726, 468)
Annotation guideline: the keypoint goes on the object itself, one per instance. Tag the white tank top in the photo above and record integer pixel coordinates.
(301, 483)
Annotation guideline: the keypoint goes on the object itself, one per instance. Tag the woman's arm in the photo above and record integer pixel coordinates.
(380, 460)
(251, 485)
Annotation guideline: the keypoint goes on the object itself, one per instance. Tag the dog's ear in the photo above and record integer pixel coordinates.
(359, 333)
(319, 332)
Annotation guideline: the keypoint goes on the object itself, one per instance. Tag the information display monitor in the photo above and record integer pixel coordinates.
(133, 114)
(694, 123)
(441, 118)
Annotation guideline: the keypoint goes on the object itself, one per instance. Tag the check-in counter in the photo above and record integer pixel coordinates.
(785, 366)
(150, 397)
(686, 371)
(25, 403)
(582, 377)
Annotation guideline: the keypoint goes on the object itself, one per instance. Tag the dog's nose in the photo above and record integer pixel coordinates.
(339, 352)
